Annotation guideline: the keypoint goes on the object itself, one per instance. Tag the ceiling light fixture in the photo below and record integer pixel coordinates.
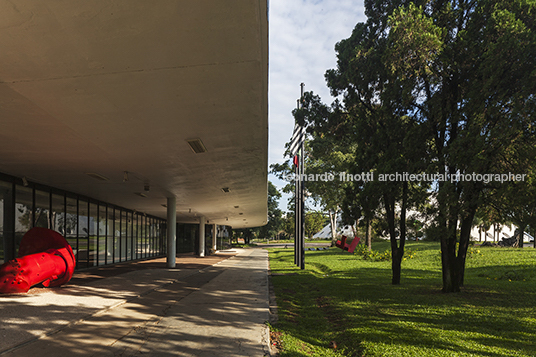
(141, 194)
(197, 146)
(97, 176)
(226, 189)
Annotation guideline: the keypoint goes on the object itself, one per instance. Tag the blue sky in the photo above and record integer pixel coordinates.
(302, 37)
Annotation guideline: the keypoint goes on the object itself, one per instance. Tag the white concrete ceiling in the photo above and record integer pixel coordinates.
(108, 86)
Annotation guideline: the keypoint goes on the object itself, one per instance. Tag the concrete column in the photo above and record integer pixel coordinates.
(215, 238)
(171, 231)
(202, 222)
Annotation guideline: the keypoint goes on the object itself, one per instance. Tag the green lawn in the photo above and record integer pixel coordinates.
(345, 299)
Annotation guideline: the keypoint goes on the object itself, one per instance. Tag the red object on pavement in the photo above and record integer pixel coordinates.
(44, 257)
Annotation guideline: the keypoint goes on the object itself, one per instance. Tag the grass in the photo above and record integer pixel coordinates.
(347, 301)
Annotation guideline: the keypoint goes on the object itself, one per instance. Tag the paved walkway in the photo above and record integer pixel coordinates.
(220, 310)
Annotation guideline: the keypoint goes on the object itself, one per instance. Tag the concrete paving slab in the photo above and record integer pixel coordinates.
(218, 311)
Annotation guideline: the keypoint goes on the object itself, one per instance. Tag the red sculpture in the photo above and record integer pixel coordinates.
(350, 247)
(44, 257)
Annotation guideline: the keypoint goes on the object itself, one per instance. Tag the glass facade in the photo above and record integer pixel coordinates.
(102, 234)
(98, 232)
(6, 190)
(187, 235)
(24, 214)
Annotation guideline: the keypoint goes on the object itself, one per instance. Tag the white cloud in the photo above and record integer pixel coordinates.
(302, 34)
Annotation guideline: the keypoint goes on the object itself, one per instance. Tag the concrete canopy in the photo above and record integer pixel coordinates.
(117, 87)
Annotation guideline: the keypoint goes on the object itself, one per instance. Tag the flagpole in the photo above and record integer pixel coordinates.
(296, 207)
(302, 195)
(297, 151)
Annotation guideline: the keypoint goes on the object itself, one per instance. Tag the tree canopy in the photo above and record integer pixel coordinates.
(434, 86)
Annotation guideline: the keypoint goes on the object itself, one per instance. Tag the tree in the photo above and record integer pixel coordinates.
(320, 159)
(466, 70)
(516, 202)
(275, 220)
(477, 103)
(384, 136)
(443, 87)
(314, 222)
(246, 233)
(289, 224)
(327, 192)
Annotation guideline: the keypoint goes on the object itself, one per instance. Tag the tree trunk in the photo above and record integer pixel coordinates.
(521, 235)
(397, 251)
(368, 236)
(454, 265)
(395, 257)
(448, 253)
(465, 237)
(448, 262)
(333, 224)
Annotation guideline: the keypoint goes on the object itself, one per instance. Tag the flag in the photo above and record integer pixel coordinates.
(297, 139)
(296, 160)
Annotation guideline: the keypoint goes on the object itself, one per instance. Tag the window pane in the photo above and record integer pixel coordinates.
(23, 213)
(110, 236)
(83, 234)
(150, 226)
(124, 239)
(162, 236)
(117, 236)
(42, 209)
(93, 248)
(58, 214)
(158, 241)
(71, 224)
(130, 250)
(143, 236)
(5, 189)
(136, 235)
(102, 232)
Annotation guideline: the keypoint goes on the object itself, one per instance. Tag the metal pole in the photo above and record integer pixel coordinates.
(296, 207)
(296, 211)
(302, 195)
